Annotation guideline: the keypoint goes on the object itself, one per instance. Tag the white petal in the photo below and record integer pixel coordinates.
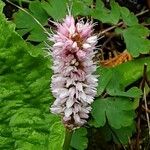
(74, 45)
(56, 110)
(68, 112)
(79, 26)
(79, 86)
(83, 96)
(64, 94)
(82, 121)
(72, 29)
(77, 94)
(71, 92)
(69, 102)
(77, 108)
(73, 61)
(55, 91)
(58, 79)
(70, 68)
(84, 115)
(58, 44)
(65, 119)
(92, 40)
(76, 118)
(69, 82)
(86, 46)
(90, 91)
(86, 110)
(89, 99)
(91, 79)
(59, 101)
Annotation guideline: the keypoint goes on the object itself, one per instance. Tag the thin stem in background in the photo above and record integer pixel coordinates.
(147, 116)
(142, 87)
(29, 15)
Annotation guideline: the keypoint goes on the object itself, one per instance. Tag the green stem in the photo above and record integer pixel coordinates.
(67, 141)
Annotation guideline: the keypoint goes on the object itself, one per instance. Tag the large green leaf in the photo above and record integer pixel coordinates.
(121, 76)
(113, 15)
(133, 70)
(118, 111)
(105, 15)
(56, 138)
(134, 92)
(25, 120)
(136, 40)
(121, 135)
(81, 7)
(128, 17)
(55, 8)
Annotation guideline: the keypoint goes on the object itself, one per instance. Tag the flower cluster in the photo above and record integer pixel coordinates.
(73, 83)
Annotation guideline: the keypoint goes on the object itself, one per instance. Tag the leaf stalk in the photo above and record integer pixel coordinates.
(68, 136)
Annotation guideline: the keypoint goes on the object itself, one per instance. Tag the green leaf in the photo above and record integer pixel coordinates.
(1, 7)
(123, 134)
(104, 78)
(125, 76)
(113, 15)
(79, 140)
(26, 123)
(118, 111)
(25, 23)
(56, 9)
(134, 92)
(105, 15)
(56, 138)
(119, 136)
(88, 2)
(81, 7)
(132, 70)
(128, 17)
(107, 80)
(136, 40)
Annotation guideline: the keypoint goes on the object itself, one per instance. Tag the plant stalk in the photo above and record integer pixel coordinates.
(68, 136)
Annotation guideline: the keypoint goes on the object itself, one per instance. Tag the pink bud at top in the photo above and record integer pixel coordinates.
(69, 21)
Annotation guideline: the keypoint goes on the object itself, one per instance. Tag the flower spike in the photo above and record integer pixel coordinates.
(73, 83)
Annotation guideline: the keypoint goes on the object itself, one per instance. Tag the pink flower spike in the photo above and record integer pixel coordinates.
(73, 83)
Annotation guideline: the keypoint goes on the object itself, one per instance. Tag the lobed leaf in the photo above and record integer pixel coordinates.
(136, 40)
(119, 111)
(56, 9)
(119, 77)
(105, 15)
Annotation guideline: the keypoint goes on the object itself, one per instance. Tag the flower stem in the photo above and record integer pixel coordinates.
(67, 141)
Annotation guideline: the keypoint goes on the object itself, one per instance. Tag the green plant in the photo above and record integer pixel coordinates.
(25, 77)
(25, 97)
